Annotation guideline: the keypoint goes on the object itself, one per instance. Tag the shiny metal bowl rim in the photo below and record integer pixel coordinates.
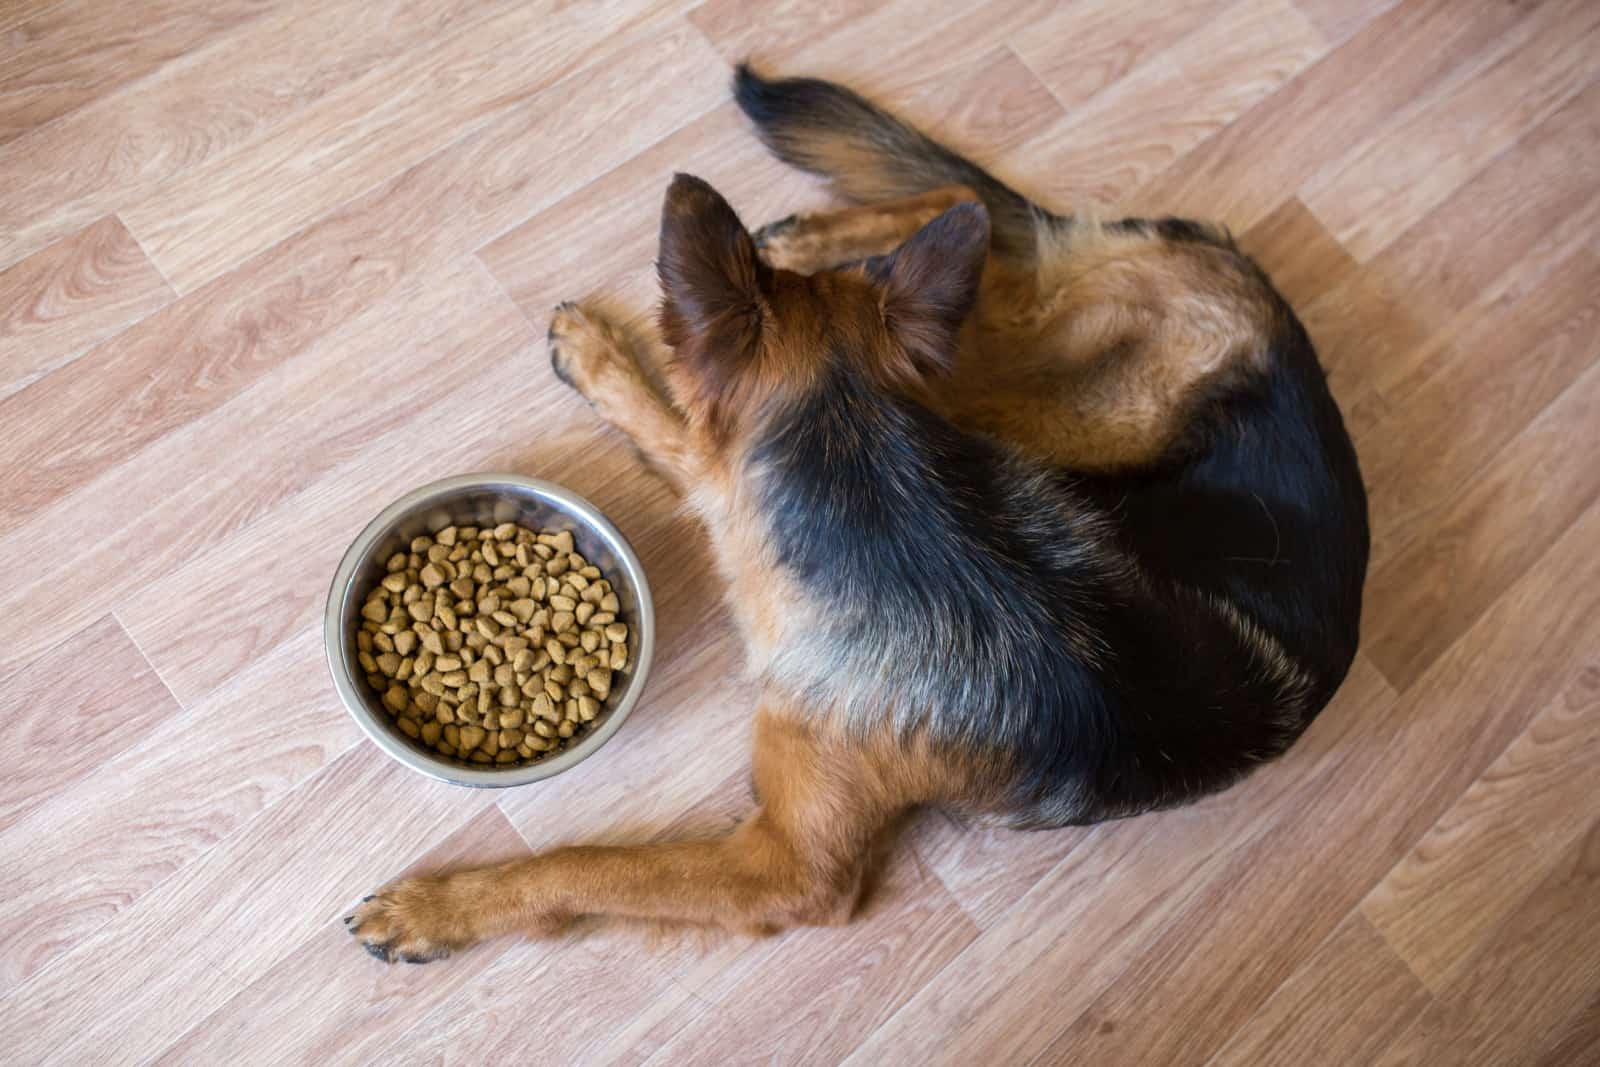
(340, 651)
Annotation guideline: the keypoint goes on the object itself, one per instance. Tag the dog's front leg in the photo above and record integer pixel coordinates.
(593, 355)
(799, 858)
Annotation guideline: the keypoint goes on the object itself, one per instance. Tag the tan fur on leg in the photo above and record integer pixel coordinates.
(799, 858)
(809, 243)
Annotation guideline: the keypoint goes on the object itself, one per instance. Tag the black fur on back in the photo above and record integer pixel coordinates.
(999, 604)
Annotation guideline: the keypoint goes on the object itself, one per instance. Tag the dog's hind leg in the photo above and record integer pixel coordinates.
(593, 356)
(809, 243)
(798, 859)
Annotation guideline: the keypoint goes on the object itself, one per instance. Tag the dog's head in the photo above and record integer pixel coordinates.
(747, 337)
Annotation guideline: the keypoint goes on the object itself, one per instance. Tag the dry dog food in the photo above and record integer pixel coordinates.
(492, 645)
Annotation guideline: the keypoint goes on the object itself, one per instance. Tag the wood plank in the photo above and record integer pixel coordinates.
(1497, 842)
(360, 1005)
(110, 153)
(218, 215)
(61, 301)
(66, 721)
(1340, 19)
(1575, 1041)
(1417, 161)
(234, 331)
(1135, 129)
(241, 908)
(1471, 388)
(77, 51)
(1302, 257)
(1090, 917)
(814, 997)
(1108, 42)
(1519, 208)
(1515, 990)
(1350, 1000)
(19, 11)
(1246, 170)
(94, 852)
(1427, 593)
(165, 507)
(741, 30)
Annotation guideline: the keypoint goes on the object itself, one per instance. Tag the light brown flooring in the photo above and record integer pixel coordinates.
(266, 265)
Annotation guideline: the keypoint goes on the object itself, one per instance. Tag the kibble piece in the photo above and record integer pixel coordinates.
(403, 672)
(472, 736)
(447, 663)
(566, 729)
(395, 698)
(410, 728)
(430, 732)
(610, 603)
(617, 633)
(561, 621)
(454, 679)
(374, 611)
(480, 671)
(588, 708)
(619, 657)
(487, 627)
(590, 640)
(432, 576)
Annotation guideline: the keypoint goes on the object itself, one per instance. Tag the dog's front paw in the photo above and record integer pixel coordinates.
(586, 351)
(412, 921)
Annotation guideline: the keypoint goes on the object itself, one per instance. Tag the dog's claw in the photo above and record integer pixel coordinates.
(378, 951)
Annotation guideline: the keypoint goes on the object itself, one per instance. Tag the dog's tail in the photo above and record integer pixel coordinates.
(869, 155)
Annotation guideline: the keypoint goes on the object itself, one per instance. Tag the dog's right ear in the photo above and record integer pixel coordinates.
(711, 280)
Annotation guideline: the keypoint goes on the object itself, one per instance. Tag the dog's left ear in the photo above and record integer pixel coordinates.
(931, 285)
(711, 281)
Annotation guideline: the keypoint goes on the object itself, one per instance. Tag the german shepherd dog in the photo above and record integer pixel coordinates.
(1042, 520)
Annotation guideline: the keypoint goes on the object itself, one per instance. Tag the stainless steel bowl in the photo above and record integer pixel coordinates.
(485, 500)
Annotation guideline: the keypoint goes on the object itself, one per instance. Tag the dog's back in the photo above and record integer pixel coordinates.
(1131, 638)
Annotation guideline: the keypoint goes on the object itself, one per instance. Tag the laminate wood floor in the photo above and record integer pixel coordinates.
(266, 264)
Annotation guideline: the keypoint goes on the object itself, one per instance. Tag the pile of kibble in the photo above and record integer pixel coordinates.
(492, 645)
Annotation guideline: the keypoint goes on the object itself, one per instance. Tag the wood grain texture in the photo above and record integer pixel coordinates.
(1496, 843)
(1350, 1001)
(58, 303)
(368, 209)
(112, 152)
(1246, 169)
(1428, 592)
(102, 681)
(354, 138)
(279, 1016)
(1430, 149)
(1168, 104)
(190, 784)
(67, 56)
(1504, 1003)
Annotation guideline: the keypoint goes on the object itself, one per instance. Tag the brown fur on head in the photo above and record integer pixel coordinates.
(745, 334)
